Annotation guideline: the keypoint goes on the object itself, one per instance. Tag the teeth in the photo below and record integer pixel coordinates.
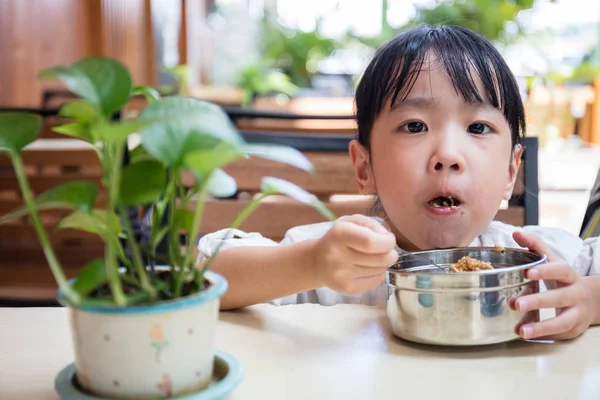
(444, 202)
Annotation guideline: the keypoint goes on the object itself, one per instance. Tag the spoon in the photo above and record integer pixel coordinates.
(424, 258)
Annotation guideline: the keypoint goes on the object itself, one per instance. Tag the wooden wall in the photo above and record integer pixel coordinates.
(37, 34)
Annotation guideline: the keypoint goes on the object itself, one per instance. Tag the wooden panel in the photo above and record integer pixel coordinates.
(585, 123)
(10, 204)
(595, 123)
(40, 184)
(125, 36)
(50, 167)
(512, 216)
(37, 34)
(342, 127)
(274, 217)
(31, 280)
(334, 173)
(520, 182)
(48, 164)
(34, 35)
(69, 152)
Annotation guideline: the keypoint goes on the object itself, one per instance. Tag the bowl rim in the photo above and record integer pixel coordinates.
(542, 258)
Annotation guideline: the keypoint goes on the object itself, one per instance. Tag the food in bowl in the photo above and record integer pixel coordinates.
(467, 263)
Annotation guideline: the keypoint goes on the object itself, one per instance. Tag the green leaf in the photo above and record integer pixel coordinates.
(138, 154)
(150, 93)
(71, 195)
(80, 110)
(220, 184)
(104, 82)
(117, 132)
(271, 185)
(205, 161)
(187, 125)
(183, 219)
(17, 130)
(142, 182)
(94, 222)
(282, 154)
(159, 236)
(90, 277)
(76, 129)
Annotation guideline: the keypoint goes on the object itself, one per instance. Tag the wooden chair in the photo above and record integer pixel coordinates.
(49, 162)
(590, 226)
(334, 183)
(280, 120)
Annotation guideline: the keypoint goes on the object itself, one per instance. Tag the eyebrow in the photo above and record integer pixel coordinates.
(415, 102)
(425, 102)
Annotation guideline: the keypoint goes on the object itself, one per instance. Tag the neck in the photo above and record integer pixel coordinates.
(401, 241)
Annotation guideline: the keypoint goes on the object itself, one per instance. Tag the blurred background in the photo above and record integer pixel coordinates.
(305, 57)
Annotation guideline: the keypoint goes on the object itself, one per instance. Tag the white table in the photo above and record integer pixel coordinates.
(316, 352)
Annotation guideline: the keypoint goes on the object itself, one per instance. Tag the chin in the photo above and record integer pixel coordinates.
(443, 242)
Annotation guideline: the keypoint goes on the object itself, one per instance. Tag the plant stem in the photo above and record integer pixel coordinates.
(137, 257)
(183, 196)
(53, 262)
(245, 213)
(188, 262)
(113, 178)
(173, 237)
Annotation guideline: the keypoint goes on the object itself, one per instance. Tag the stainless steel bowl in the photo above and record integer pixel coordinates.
(427, 305)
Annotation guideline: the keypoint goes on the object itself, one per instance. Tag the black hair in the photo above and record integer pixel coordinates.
(396, 66)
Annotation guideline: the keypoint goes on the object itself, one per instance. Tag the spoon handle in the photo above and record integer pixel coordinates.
(423, 258)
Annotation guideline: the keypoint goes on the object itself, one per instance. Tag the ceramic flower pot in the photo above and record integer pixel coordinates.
(150, 351)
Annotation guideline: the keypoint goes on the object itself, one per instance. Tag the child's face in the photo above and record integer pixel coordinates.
(435, 144)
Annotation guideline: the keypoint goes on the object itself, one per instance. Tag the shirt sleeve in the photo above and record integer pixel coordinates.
(228, 238)
(583, 255)
(588, 260)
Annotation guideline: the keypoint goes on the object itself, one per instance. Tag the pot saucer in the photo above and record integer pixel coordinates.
(227, 375)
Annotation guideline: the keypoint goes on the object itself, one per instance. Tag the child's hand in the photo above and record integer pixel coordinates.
(570, 296)
(354, 254)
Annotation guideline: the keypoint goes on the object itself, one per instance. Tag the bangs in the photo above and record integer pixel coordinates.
(462, 53)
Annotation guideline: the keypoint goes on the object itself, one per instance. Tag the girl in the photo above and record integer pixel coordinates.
(439, 115)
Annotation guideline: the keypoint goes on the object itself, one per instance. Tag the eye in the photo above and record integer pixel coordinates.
(413, 127)
(479, 129)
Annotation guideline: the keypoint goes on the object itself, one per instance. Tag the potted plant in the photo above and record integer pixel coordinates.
(142, 323)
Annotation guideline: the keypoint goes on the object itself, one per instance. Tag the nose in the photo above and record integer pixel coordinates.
(448, 154)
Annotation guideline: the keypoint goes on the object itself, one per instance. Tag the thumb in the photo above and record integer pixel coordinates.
(534, 243)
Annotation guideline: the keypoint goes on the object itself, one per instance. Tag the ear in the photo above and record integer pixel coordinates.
(513, 170)
(362, 168)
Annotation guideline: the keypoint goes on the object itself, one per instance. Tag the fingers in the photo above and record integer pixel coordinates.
(365, 284)
(558, 271)
(372, 260)
(365, 221)
(362, 238)
(560, 298)
(527, 290)
(366, 272)
(534, 243)
(561, 327)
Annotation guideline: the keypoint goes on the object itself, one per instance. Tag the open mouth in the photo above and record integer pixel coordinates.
(445, 201)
